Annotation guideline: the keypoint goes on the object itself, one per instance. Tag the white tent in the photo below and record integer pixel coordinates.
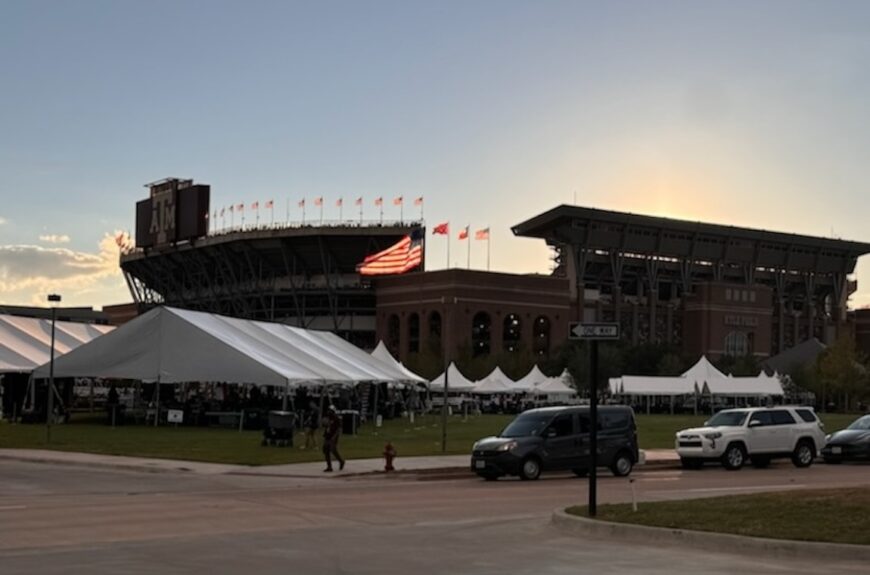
(495, 383)
(555, 386)
(25, 342)
(760, 386)
(455, 381)
(660, 386)
(703, 371)
(172, 345)
(383, 354)
(530, 380)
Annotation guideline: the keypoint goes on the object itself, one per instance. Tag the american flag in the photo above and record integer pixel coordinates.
(482, 234)
(398, 201)
(399, 258)
(418, 201)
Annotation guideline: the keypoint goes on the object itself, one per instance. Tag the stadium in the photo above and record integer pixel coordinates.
(703, 288)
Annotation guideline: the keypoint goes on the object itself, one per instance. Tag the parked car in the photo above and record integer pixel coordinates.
(758, 434)
(557, 438)
(852, 443)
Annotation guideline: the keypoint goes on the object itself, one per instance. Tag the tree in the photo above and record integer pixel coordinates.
(842, 376)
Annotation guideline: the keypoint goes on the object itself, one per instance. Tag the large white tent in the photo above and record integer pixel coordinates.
(701, 379)
(557, 386)
(383, 354)
(25, 342)
(455, 381)
(171, 345)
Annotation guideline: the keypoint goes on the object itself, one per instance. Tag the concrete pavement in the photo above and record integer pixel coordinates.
(430, 464)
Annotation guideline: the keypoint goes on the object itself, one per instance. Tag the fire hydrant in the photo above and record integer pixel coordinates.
(389, 455)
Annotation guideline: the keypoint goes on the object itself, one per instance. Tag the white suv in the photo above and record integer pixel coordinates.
(761, 434)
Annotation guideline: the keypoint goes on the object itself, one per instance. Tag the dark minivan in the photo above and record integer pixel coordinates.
(557, 438)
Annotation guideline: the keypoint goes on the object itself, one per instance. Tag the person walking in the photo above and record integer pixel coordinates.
(331, 433)
(312, 422)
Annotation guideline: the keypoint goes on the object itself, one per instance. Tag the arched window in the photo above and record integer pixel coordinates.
(480, 327)
(413, 333)
(736, 344)
(434, 341)
(393, 334)
(541, 335)
(512, 332)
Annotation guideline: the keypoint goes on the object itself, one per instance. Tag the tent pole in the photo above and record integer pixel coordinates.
(286, 394)
(156, 401)
(375, 405)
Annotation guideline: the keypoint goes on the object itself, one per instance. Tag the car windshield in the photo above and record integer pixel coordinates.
(527, 424)
(727, 419)
(862, 423)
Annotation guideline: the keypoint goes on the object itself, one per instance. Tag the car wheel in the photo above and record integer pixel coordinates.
(530, 469)
(734, 457)
(691, 463)
(622, 464)
(580, 471)
(760, 462)
(803, 454)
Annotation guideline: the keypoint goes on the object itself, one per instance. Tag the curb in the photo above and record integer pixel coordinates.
(708, 541)
(102, 464)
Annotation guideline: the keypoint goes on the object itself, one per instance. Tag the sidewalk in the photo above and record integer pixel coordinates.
(434, 464)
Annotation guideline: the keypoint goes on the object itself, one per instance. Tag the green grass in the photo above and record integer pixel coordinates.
(229, 446)
(829, 515)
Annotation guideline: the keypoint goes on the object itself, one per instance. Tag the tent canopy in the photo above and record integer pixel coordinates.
(172, 345)
(455, 381)
(664, 386)
(530, 380)
(557, 385)
(25, 342)
(383, 354)
(495, 382)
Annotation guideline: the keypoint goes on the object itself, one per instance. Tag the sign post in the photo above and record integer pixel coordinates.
(593, 332)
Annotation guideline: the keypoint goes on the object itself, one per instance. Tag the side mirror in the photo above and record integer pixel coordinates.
(754, 423)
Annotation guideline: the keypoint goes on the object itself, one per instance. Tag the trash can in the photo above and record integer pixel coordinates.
(280, 429)
(349, 421)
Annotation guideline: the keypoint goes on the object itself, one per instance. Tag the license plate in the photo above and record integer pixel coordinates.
(836, 450)
(479, 464)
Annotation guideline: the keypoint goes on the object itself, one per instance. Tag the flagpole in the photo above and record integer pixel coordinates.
(402, 211)
(223, 220)
(382, 211)
(340, 211)
(303, 212)
(257, 217)
(232, 219)
(288, 212)
(360, 212)
(421, 209)
(468, 238)
(488, 240)
(448, 247)
(272, 215)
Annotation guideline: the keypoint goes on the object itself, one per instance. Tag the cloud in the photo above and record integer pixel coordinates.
(2, 220)
(28, 273)
(55, 239)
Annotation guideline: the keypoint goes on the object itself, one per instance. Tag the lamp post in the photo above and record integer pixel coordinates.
(55, 299)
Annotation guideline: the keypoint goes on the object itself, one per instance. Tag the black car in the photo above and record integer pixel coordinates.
(557, 438)
(851, 443)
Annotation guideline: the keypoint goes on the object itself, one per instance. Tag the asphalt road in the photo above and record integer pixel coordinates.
(61, 519)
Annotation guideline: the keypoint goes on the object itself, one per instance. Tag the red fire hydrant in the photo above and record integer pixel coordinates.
(389, 455)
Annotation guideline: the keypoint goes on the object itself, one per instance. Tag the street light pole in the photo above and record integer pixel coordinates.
(53, 298)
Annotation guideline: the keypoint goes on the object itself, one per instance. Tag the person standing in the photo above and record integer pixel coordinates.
(331, 433)
(312, 422)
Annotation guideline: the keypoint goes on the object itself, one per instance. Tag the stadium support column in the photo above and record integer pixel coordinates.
(580, 260)
(652, 270)
(780, 296)
(810, 280)
(617, 262)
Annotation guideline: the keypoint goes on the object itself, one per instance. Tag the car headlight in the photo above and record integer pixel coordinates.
(714, 435)
(507, 446)
(827, 438)
(474, 447)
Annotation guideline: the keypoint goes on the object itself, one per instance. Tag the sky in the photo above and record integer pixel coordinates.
(743, 113)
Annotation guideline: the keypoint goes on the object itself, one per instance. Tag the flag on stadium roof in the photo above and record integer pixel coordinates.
(399, 258)
(442, 229)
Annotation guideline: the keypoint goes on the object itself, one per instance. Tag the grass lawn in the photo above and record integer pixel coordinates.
(230, 446)
(829, 515)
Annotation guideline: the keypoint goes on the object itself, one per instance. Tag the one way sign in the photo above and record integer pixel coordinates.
(594, 331)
